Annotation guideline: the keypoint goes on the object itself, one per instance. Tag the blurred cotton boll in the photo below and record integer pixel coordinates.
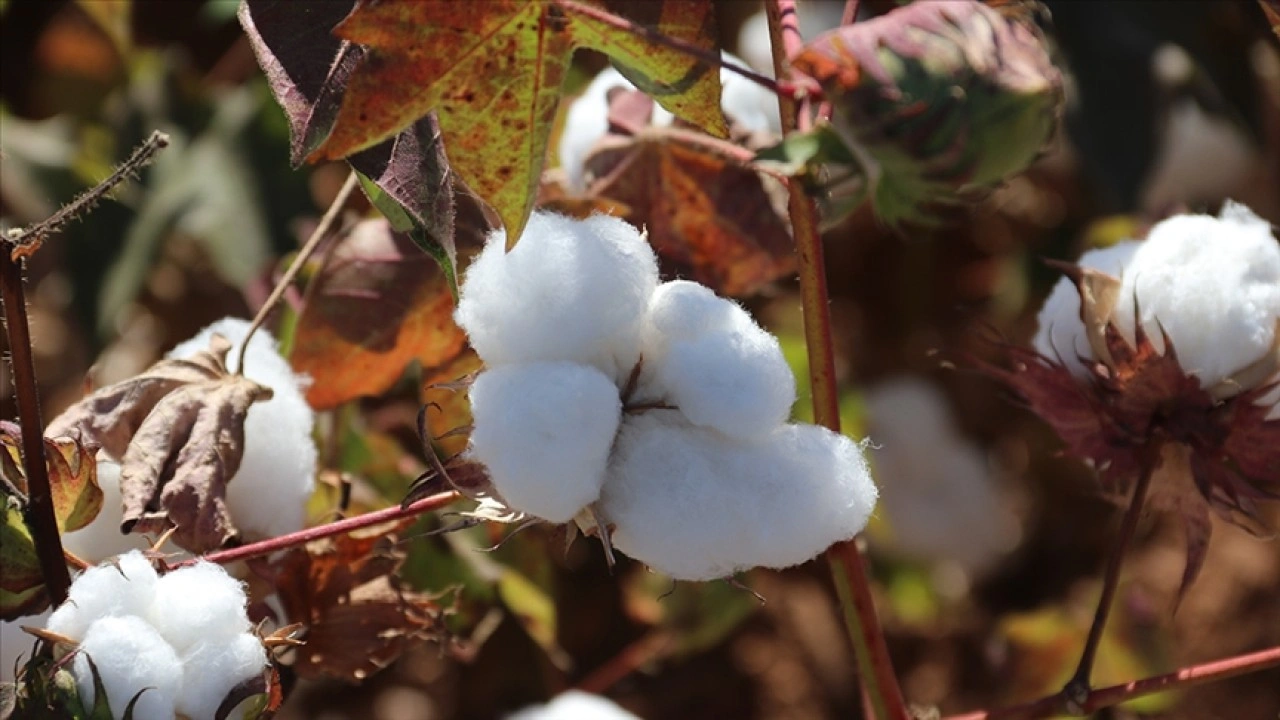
(745, 103)
(267, 496)
(815, 16)
(1061, 334)
(935, 486)
(574, 705)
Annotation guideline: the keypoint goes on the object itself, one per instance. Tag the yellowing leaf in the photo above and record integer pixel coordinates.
(493, 71)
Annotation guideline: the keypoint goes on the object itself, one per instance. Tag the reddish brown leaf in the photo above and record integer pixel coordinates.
(378, 305)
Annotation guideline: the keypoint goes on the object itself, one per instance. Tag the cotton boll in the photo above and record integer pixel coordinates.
(1061, 335)
(747, 104)
(571, 290)
(198, 603)
(708, 357)
(697, 505)
(101, 538)
(935, 487)
(268, 495)
(574, 705)
(125, 587)
(544, 432)
(1212, 284)
(211, 670)
(130, 656)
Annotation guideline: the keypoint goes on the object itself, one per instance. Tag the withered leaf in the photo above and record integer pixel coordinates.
(358, 618)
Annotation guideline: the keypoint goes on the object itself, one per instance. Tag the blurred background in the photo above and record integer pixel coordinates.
(987, 547)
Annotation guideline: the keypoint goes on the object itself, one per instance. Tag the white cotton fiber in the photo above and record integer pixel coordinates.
(125, 587)
(708, 357)
(1061, 334)
(211, 670)
(571, 290)
(101, 538)
(268, 495)
(130, 656)
(574, 705)
(1212, 284)
(936, 489)
(697, 505)
(744, 103)
(198, 603)
(544, 431)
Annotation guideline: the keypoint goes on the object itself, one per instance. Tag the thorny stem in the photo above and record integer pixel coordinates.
(320, 532)
(707, 56)
(298, 262)
(1054, 705)
(848, 571)
(1077, 689)
(39, 513)
(27, 239)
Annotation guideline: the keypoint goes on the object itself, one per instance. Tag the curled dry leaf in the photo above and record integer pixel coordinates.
(358, 619)
(179, 431)
(1217, 450)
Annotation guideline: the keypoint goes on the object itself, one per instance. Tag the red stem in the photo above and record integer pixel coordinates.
(39, 513)
(850, 14)
(320, 532)
(626, 662)
(1114, 695)
(848, 570)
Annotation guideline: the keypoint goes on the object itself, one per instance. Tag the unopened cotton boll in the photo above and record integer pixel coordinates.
(745, 103)
(116, 589)
(1212, 285)
(708, 357)
(697, 505)
(211, 670)
(544, 432)
(571, 290)
(935, 487)
(131, 657)
(200, 603)
(267, 496)
(574, 705)
(1061, 334)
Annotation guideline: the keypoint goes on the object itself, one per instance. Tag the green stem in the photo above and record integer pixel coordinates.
(848, 569)
(39, 513)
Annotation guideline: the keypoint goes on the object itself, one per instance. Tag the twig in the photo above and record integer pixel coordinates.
(626, 662)
(1191, 676)
(38, 513)
(26, 240)
(875, 669)
(850, 14)
(710, 57)
(298, 262)
(320, 532)
(1077, 688)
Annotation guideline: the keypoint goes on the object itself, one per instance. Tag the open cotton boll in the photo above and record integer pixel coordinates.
(544, 432)
(1212, 284)
(125, 587)
(211, 670)
(935, 488)
(708, 357)
(268, 495)
(101, 538)
(1061, 334)
(745, 103)
(130, 656)
(696, 505)
(571, 290)
(574, 705)
(198, 603)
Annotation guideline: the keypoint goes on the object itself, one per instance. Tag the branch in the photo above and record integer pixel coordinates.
(320, 532)
(39, 513)
(26, 240)
(848, 570)
(298, 262)
(1055, 705)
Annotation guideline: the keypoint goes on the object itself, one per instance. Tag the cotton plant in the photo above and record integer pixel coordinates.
(177, 644)
(653, 414)
(1165, 366)
(748, 106)
(574, 705)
